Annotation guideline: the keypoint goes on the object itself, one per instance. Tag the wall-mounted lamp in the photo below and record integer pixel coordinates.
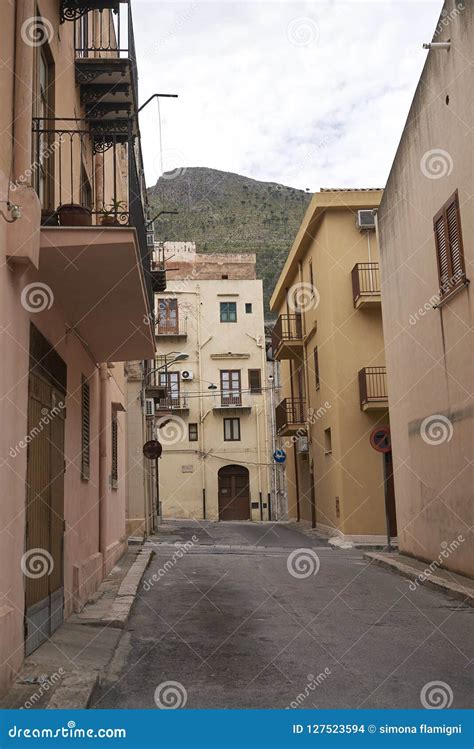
(437, 45)
(14, 209)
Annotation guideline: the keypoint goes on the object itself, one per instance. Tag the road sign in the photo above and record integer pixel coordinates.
(380, 439)
(152, 449)
(279, 456)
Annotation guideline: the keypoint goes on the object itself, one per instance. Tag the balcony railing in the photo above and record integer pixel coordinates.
(231, 398)
(290, 412)
(365, 282)
(172, 403)
(373, 388)
(171, 328)
(287, 329)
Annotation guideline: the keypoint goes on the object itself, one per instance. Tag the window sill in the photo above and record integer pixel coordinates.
(447, 297)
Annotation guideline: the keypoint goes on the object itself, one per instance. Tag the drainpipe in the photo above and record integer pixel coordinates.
(24, 85)
(103, 488)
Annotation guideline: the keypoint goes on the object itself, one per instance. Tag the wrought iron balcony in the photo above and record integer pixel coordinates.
(287, 337)
(373, 388)
(233, 401)
(172, 403)
(366, 284)
(171, 328)
(290, 416)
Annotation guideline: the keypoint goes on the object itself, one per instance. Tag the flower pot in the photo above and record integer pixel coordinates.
(73, 214)
(109, 221)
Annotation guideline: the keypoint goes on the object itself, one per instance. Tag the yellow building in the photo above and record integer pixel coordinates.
(206, 395)
(329, 340)
(426, 229)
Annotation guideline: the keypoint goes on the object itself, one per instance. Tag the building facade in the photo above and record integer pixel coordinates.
(425, 230)
(329, 340)
(75, 302)
(206, 391)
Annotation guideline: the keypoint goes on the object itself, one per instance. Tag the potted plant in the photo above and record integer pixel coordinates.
(49, 217)
(74, 214)
(109, 216)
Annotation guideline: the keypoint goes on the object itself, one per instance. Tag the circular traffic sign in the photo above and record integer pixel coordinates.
(279, 456)
(152, 449)
(380, 439)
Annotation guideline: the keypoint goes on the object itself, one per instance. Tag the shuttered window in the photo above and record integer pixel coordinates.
(193, 432)
(86, 430)
(114, 473)
(316, 368)
(449, 246)
(255, 381)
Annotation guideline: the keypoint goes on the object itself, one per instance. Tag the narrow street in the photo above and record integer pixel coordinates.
(240, 623)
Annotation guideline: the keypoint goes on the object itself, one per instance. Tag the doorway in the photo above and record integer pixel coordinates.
(234, 493)
(42, 562)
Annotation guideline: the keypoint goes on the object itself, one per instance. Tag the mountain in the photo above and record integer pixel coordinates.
(225, 212)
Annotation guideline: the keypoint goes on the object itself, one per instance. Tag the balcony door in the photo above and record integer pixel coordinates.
(231, 394)
(170, 381)
(168, 321)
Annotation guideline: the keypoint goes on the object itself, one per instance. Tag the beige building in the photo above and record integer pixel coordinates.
(206, 391)
(426, 230)
(75, 296)
(329, 340)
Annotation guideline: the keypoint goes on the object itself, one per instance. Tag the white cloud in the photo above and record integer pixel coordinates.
(308, 94)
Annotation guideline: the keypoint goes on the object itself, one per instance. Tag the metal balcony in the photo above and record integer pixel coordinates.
(290, 416)
(173, 403)
(373, 389)
(233, 402)
(287, 337)
(171, 329)
(366, 285)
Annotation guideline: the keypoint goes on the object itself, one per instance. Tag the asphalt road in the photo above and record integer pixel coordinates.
(234, 625)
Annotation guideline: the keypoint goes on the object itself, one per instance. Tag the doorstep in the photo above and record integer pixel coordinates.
(63, 672)
(450, 583)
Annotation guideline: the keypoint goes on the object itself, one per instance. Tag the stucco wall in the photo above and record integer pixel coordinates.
(429, 351)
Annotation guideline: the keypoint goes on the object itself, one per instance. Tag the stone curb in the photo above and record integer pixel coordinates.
(122, 605)
(451, 589)
(75, 692)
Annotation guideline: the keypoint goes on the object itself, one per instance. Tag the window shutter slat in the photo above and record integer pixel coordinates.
(85, 430)
(442, 248)
(455, 242)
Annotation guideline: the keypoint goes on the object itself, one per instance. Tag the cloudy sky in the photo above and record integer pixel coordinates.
(309, 94)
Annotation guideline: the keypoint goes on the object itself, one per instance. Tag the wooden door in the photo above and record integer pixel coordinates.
(234, 493)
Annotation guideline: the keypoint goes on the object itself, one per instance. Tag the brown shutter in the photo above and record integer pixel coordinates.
(316, 368)
(114, 474)
(85, 433)
(255, 381)
(449, 246)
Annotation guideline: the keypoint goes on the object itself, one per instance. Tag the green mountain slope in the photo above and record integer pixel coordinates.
(225, 212)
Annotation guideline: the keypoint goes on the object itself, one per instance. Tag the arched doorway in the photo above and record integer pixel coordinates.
(234, 493)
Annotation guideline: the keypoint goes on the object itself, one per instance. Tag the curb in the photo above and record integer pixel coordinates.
(122, 605)
(450, 589)
(75, 692)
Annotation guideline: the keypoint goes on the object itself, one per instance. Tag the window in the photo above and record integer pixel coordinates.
(193, 432)
(248, 308)
(85, 433)
(255, 381)
(449, 246)
(114, 473)
(224, 277)
(316, 368)
(327, 441)
(170, 381)
(231, 430)
(231, 394)
(167, 316)
(42, 110)
(228, 311)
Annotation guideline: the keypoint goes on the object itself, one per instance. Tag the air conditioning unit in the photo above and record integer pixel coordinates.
(365, 220)
(149, 407)
(302, 445)
(187, 374)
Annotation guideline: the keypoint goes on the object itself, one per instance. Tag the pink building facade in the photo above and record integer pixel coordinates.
(75, 292)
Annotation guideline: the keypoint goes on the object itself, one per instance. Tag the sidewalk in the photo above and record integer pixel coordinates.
(455, 586)
(64, 671)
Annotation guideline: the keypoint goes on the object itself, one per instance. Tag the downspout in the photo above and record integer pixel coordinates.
(103, 434)
(201, 416)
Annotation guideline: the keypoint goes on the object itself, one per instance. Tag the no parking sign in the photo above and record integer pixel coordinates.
(380, 439)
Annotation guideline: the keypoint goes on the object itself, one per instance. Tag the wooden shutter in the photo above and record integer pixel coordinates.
(449, 246)
(114, 473)
(255, 381)
(85, 434)
(316, 368)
